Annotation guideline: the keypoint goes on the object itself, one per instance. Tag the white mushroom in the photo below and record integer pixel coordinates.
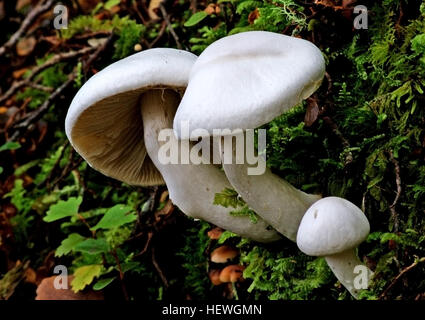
(242, 82)
(333, 228)
(114, 122)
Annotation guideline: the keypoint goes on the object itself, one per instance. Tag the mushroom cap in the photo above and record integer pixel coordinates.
(104, 122)
(245, 80)
(232, 273)
(330, 226)
(223, 254)
(214, 276)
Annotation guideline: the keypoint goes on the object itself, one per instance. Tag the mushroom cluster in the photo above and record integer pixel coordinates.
(114, 122)
(117, 120)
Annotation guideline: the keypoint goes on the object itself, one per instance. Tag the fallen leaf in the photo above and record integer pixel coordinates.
(87, 5)
(253, 16)
(19, 73)
(312, 112)
(47, 291)
(153, 7)
(25, 46)
(20, 4)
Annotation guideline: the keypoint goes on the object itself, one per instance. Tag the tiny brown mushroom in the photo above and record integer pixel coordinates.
(214, 276)
(215, 233)
(232, 273)
(224, 254)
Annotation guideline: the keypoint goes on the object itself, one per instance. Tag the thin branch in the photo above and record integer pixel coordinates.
(28, 21)
(36, 114)
(401, 274)
(399, 190)
(117, 260)
(346, 144)
(158, 269)
(170, 27)
(52, 61)
(148, 241)
(160, 34)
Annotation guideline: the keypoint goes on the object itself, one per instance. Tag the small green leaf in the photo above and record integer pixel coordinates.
(102, 283)
(1, 170)
(116, 217)
(110, 3)
(10, 146)
(85, 275)
(195, 19)
(68, 244)
(63, 209)
(92, 246)
(24, 168)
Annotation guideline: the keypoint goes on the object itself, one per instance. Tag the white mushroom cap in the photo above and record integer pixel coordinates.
(330, 226)
(103, 122)
(246, 80)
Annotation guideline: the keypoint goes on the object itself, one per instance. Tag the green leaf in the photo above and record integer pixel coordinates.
(102, 283)
(85, 275)
(195, 19)
(63, 209)
(68, 244)
(1, 170)
(92, 246)
(116, 217)
(24, 168)
(110, 3)
(10, 146)
(228, 198)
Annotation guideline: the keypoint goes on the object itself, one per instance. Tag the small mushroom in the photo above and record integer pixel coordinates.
(333, 228)
(232, 273)
(224, 254)
(114, 123)
(214, 276)
(244, 81)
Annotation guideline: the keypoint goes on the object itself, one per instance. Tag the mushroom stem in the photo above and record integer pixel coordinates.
(343, 266)
(192, 187)
(271, 197)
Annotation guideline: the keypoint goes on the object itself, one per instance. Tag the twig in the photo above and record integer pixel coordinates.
(394, 215)
(52, 61)
(59, 159)
(117, 260)
(160, 34)
(402, 273)
(156, 265)
(29, 19)
(40, 87)
(98, 51)
(329, 79)
(150, 234)
(349, 157)
(170, 27)
(36, 114)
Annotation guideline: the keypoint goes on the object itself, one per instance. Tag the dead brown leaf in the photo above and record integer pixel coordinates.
(312, 112)
(253, 16)
(25, 46)
(47, 291)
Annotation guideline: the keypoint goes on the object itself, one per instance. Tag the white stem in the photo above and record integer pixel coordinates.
(192, 187)
(353, 274)
(271, 197)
